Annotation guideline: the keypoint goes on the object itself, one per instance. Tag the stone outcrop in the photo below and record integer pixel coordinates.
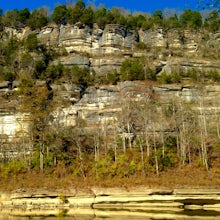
(116, 39)
(139, 201)
(184, 66)
(85, 39)
(154, 38)
(105, 65)
(69, 61)
(105, 49)
(102, 105)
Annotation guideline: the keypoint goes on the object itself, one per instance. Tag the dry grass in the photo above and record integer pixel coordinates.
(176, 178)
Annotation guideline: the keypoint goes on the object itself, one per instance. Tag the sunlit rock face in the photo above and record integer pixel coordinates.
(104, 104)
(154, 38)
(13, 123)
(103, 107)
(104, 50)
(113, 39)
(12, 126)
(117, 39)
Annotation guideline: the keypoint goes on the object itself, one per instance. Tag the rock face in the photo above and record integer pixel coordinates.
(173, 201)
(93, 41)
(116, 40)
(104, 51)
(154, 38)
(103, 106)
(78, 60)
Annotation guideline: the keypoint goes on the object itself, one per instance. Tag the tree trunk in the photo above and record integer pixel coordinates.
(41, 157)
(155, 155)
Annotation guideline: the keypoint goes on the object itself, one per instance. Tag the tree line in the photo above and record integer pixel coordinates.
(148, 138)
(88, 15)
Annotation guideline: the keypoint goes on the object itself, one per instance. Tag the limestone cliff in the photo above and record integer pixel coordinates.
(103, 106)
(105, 50)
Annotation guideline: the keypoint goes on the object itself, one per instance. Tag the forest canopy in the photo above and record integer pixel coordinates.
(88, 15)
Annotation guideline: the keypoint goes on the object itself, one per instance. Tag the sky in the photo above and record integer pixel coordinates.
(131, 5)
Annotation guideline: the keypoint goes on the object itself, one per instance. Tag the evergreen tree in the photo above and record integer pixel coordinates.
(100, 17)
(11, 18)
(38, 19)
(87, 16)
(212, 23)
(59, 15)
(191, 19)
(74, 13)
(23, 16)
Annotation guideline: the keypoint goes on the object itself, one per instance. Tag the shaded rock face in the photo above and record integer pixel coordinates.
(81, 61)
(105, 65)
(105, 106)
(101, 106)
(183, 66)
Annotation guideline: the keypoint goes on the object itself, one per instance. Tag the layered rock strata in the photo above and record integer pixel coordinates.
(119, 198)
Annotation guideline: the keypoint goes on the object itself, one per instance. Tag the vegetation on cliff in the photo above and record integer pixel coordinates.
(151, 138)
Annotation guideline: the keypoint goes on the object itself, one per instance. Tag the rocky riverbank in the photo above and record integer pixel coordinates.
(95, 198)
(112, 203)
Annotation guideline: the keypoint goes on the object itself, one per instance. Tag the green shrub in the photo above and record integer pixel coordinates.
(110, 78)
(54, 71)
(31, 42)
(214, 75)
(80, 76)
(149, 74)
(40, 67)
(132, 70)
(164, 78)
(142, 46)
(13, 167)
(9, 76)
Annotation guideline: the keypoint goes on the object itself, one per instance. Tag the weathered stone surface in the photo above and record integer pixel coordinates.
(115, 39)
(154, 38)
(105, 65)
(81, 61)
(20, 33)
(102, 105)
(75, 38)
(49, 35)
(115, 197)
(183, 66)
